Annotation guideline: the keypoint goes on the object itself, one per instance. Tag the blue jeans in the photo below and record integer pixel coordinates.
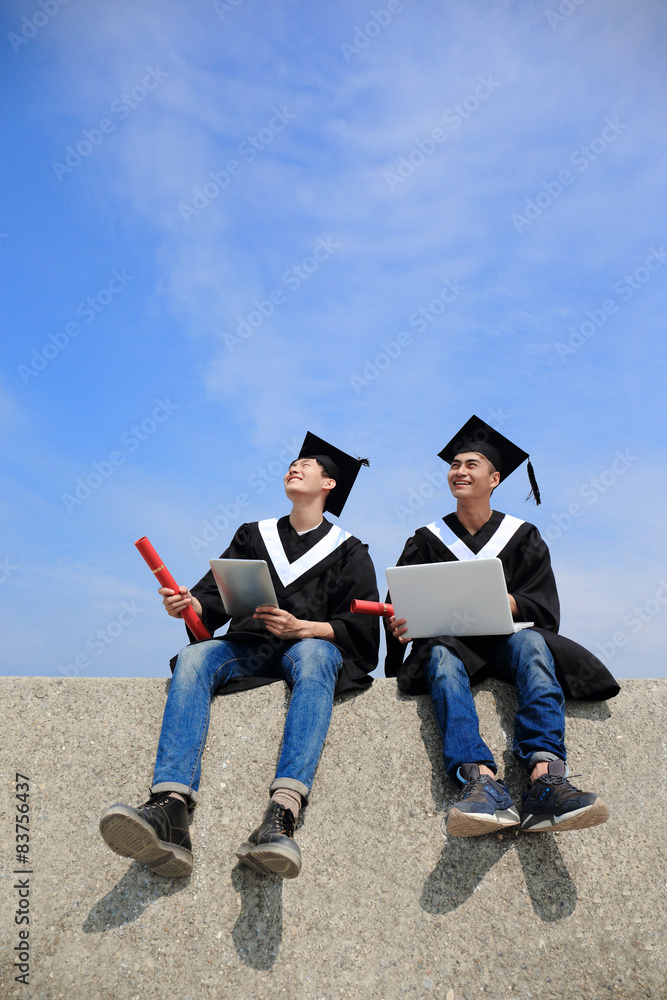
(539, 724)
(311, 668)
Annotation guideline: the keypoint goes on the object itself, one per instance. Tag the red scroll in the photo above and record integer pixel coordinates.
(165, 579)
(372, 608)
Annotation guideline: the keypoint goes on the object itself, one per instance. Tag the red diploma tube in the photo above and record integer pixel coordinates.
(372, 608)
(165, 579)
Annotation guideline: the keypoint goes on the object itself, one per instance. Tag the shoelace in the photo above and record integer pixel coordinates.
(289, 822)
(470, 786)
(558, 779)
(285, 818)
(159, 799)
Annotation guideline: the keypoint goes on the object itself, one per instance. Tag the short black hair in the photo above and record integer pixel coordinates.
(325, 472)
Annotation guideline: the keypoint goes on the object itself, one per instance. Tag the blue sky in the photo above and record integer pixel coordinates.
(228, 223)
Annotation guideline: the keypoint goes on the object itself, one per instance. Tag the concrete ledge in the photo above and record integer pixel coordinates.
(385, 906)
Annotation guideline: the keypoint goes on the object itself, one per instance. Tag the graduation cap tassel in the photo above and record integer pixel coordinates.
(364, 461)
(534, 488)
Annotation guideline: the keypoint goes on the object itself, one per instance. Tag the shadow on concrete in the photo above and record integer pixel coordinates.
(345, 696)
(258, 931)
(466, 861)
(128, 899)
(552, 890)
(462, 866)
(430, 734)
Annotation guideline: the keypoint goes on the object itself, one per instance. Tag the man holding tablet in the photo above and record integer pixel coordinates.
(543, 665)
(312, 641)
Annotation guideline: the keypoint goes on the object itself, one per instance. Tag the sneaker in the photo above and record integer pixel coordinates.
(552, 803)
(485, 805)
(271, 849)
(156, 833)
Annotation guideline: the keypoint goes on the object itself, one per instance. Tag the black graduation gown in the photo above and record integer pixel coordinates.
(530, 579)
(312, 585)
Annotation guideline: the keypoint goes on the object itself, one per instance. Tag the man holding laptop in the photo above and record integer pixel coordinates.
(543, 665)
(311, 640)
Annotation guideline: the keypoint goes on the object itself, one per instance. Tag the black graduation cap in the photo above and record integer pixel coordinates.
(476, 435)
(341, 467)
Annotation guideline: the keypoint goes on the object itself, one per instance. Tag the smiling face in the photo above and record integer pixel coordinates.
(306, 479)
(472, 477)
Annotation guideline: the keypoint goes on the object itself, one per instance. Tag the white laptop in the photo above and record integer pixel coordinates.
(244, 584)
(453, 598)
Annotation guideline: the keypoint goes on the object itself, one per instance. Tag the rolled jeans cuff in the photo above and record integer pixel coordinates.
(540, 755)
(293, 785)
(174, 786)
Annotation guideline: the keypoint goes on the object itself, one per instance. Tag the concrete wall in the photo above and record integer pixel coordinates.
(385, 907)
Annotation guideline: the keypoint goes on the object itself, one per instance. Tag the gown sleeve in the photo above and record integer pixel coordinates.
(413, 554)
(531, 582)
(357, 635)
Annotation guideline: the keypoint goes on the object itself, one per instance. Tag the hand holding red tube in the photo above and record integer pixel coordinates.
(395, 626)
(163, 576)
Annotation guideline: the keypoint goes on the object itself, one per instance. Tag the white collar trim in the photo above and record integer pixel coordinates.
(501, 536)
(289, 572)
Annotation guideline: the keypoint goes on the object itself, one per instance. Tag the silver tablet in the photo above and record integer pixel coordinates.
(244, 584)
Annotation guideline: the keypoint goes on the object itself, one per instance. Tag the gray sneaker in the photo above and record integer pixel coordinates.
(485, 805)
(551, 803)
(271, 848)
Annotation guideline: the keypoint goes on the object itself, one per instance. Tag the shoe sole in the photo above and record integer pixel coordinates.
(133, 837)
(465, 824)
(268, 860)
(579, 819)
(244, 854)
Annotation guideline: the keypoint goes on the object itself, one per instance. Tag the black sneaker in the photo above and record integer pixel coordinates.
(552, 803)
(271, 849)
(156, 833)
(484, 807)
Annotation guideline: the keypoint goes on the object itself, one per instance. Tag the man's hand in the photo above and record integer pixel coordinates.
(175, 603)
(398, 629)
(513, 608)
(286, 626)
